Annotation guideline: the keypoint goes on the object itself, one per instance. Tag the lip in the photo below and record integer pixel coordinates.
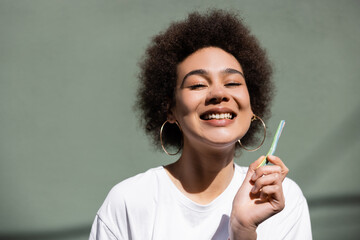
(218, 110)
(219, 122)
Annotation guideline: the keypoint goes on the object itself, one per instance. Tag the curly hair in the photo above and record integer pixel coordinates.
(215, 28)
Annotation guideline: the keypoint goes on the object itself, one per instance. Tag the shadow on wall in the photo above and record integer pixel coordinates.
(76, 232)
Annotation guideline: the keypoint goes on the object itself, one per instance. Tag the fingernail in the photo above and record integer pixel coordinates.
(253, 189)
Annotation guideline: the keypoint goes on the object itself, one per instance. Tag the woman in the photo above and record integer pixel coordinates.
(204, 89)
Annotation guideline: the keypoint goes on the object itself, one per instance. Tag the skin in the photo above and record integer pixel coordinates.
(211, 81)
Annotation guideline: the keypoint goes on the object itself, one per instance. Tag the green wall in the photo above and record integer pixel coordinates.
(68, 131)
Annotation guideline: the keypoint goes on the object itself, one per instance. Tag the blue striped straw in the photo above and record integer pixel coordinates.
(274, 143)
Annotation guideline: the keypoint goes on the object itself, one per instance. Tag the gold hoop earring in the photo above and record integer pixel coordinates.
(262, 142)
(161, 140)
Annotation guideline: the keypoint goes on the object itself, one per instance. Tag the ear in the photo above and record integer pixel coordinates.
(252, 112)
(170, 116)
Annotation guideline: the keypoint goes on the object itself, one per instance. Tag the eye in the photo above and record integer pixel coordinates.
(197, 86)
(233, 84)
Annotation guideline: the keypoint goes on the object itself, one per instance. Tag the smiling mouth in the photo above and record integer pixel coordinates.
(217, 116)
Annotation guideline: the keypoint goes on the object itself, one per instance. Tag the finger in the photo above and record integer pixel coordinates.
(265, 170)
(277, 161)
(271, 179)
(275, 191)
(253, 167)
(274, 194)
(248, 182)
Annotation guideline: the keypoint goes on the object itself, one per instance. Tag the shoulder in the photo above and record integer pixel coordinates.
(139, 185)
(295, 202)
(293, 222)
(129, 200)
(292, 191)
(137, 192)
(294, 218)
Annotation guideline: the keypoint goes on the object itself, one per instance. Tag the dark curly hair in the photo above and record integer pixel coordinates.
(215, 28)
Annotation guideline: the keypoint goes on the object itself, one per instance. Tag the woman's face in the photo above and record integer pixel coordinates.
(212, 100)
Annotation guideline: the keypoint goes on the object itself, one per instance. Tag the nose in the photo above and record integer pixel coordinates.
(217, 94)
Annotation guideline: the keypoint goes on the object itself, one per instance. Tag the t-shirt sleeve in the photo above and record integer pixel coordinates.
(296, 220)
(125, 214)
(111, 219)
(301, 228)
(100, 231)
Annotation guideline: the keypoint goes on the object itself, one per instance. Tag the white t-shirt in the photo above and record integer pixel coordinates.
(150, 206)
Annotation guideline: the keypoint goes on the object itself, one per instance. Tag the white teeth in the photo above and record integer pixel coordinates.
(218, 116)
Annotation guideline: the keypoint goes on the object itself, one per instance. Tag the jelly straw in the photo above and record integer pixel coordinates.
(274, 144)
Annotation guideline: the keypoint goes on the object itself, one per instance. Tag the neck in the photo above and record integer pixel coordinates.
(203, 174)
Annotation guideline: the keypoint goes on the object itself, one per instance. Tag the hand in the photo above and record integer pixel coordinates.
(259, 197)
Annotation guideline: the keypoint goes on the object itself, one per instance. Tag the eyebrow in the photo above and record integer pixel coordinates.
(204, 72)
